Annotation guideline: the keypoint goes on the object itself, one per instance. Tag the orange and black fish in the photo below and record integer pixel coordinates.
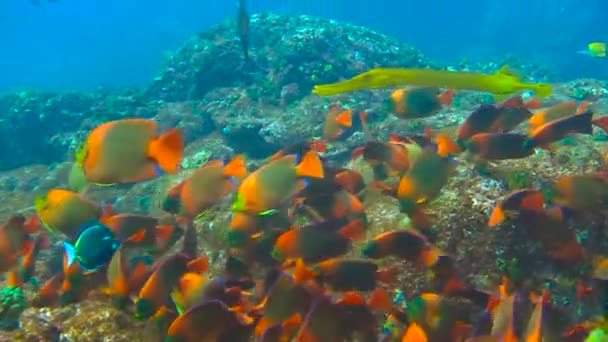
(489, 118)
(209, 321)
(347, 274)
(204, 188)
(558, 111)
(242, 17)
(284, 299)
(128, 151)
(335, 123)
(524, 199)
(25, 270)
(125, 226)
(318, 241)
(269, 188)
(580, 192)
(416, 103)
(498, 146)
(551, 230)
(124, 280)
(156, 292)
(64, 211)
(559, 129)
(406, 244)
(48, 295)
(15, 240)
(300, 149)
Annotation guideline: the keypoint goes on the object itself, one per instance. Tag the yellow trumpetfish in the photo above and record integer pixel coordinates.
(501, 83)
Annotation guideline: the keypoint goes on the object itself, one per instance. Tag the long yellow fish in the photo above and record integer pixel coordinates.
(501, 83)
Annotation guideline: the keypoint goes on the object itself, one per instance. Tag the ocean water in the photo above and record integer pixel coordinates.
(119, 43)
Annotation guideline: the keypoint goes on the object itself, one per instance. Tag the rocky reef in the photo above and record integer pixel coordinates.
(225, 104)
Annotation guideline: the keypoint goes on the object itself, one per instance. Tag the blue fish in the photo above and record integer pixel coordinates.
(94, 247)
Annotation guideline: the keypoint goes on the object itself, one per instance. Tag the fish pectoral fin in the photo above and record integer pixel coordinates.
(70, 253)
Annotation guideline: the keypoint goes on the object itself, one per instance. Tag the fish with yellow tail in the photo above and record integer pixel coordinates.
(501, 83)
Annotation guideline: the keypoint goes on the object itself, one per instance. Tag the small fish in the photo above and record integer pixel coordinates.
(25, 270)
(595, 49)
(15, 240)
(406, 244)
(125, 226)
(124, 280)
(524, 199)
(501, 83)
(242, 18)
(156, 292)
(129, 151)
(94, 247)
(189, 291)
(300, 149)
(498, 146)
(559, 129)
(418, 103)
(347, 274)
(499, 118)
(580, 192)
(209, 321)
(269, 187)
(558, 111)
(64, 211)
(204, 188)
(319, 241)
(48, 295)
(549, 228)
(335, 123)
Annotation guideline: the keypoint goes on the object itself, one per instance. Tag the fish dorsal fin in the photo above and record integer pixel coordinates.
(508, 71)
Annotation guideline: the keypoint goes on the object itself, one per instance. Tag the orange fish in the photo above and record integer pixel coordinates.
(387, 159)
(559, 129)
(558, 111)
(189, 291)
(580, 192)
(129, 151)
(64, 211)
(15, 240)
(284, 299)
(204, 188)
(156, 292)
(318, 241)
(26, 269)
(406, 244)
(347, 274)
(125, 226)
(272, 185)
(549, 228)
(498, 146)
(335, 122)
(48, 294)
(123, 282)
(489, 118)
(209, 321)
(524, 199)
(418, 103)
(300, 149)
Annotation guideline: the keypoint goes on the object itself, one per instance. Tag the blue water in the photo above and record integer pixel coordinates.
(83, 44)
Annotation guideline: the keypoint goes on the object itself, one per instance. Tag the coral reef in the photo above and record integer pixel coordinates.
(12, 305)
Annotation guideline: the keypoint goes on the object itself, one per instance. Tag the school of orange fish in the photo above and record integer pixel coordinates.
(295, 218)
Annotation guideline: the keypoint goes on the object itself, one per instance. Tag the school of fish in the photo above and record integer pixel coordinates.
(300, 264)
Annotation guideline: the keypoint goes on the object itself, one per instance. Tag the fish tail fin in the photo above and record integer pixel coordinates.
(379, 300)
(310, 166)
(583, 107)
(533, 103)
(70, 256)
(446, 146)
(345, 119)
(354, 230)
(32, 225)
(236, 167)
(168, 150)
(302, 273)
(542, 90)
(447, 97)
(319, 146)
(601, 122)
(496, 217)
